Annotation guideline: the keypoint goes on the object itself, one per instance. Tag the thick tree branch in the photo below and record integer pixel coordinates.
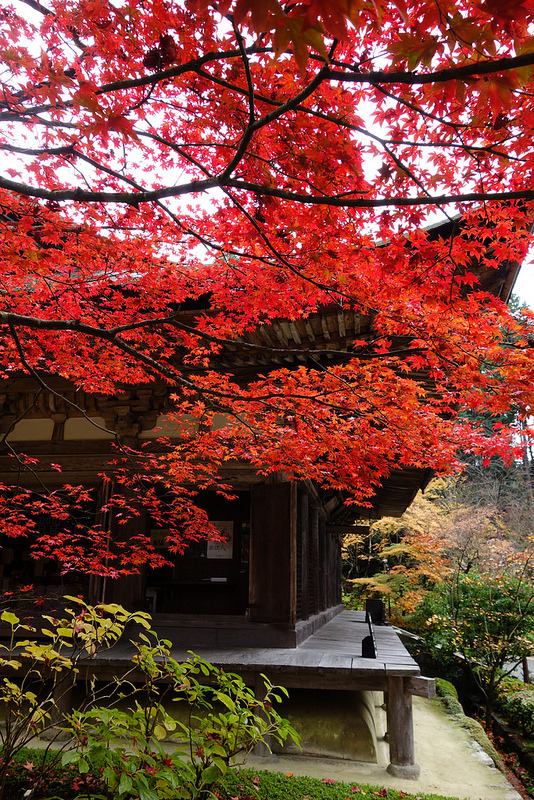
(440, 76)
(197, 186)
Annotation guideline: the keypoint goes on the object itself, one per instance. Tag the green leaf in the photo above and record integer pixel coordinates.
(11, 619)
(10, 663)
(211, 774)
(125, 784)
(221, 766)
(83, 766)
(226, 701)
(160, 732)
(70, 757)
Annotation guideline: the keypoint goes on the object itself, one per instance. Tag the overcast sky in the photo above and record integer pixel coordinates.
(524, 286)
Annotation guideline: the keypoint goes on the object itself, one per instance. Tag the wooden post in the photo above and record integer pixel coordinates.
(62, 705)
(303, 539)
(400, 731)
(273, 553)
(263, 749)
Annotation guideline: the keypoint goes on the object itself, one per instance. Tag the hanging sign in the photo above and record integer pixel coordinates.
(222, 549)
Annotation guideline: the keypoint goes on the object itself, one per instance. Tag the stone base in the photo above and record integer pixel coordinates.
(263, 750)
(55, 735)
(266, 757)
(408, 771)
(332, 724)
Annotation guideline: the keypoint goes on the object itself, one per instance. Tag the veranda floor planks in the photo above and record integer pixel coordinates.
(335, 649)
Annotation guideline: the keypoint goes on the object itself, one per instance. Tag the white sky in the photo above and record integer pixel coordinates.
(524, 285)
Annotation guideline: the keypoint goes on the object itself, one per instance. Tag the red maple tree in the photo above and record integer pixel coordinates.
(254, 162)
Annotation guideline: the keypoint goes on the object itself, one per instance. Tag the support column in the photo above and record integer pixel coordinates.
(273, 553)
(400, 731)
(263, 749)
(62, 706)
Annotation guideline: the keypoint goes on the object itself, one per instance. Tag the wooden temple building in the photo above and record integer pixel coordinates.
(268, 599)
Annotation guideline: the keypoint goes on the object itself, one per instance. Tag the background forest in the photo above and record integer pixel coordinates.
(456, 570)
(477, 523)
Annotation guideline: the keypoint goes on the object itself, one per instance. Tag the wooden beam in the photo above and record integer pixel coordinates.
(421, 687)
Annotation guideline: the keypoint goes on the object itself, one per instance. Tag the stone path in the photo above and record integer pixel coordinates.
(452, 763)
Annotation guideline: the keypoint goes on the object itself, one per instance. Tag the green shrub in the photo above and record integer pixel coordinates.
(515, 701)
(487, 619)
(446, 688)
(44, 670)
(115, 753)
(225, 719)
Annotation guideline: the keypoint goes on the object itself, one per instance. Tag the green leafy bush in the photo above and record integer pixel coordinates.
(487, 619)
(41, 671)
(515, 701)
(121, 753)
(224, 718)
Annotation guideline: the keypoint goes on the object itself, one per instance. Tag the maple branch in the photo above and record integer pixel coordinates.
(199, 186)
(341, 201)
(131, 83)
(344, 123)
(36, 5)
(25, 363)
(173, 72)
(440, 76)
(249, 131)
(12, 319)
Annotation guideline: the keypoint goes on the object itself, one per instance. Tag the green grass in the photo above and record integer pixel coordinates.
(242, 784)
(247, 784)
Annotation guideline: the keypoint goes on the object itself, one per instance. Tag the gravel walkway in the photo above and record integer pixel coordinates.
(452, 763)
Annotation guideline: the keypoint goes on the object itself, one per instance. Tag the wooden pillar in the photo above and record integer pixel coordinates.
(264, 748)
(303, 579)
(314, 562)
(323, 564)
(400, 731)
(273, 553)
(62, 706)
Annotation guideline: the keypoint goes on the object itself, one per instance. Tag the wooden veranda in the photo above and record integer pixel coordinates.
(330, 659)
